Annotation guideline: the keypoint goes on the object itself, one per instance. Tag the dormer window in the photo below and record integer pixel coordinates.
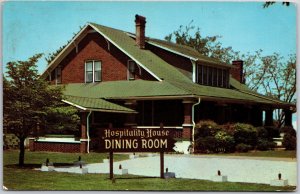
(92, 71)
(131, 70)
(212, 76)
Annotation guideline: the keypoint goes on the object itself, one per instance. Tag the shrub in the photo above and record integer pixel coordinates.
(272, 132)
(242, 147)
(265, 144)
(288, 130)
(206, 128)
(245, 134)
(289, 142)
(228, 128)
(262, 132)
(225, 142)
(289, 138)
(206, 144)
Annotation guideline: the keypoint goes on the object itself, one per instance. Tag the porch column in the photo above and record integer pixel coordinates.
(287, 118)
(83, 138)
(130, 118)
(187, 119)
(221, 113)
(257, 116)
(269, 117)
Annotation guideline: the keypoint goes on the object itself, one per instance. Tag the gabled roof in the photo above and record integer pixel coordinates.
(153, 64)
(171, 82)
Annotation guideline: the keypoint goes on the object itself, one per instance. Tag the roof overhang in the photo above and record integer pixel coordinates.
(97, 105)
(65, 51)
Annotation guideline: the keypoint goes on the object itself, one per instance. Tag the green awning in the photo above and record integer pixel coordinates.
(95, 104)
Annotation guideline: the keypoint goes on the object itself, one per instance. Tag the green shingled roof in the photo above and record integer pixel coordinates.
(124, 89)
(171, 81)
(219, 93)
(244, 89)
(96, 104)
(144, 89)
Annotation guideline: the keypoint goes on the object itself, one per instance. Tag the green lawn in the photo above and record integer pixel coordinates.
(27, 179)
(37, 158)
(272, 153)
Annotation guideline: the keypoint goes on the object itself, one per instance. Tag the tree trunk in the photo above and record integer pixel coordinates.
(22, 152)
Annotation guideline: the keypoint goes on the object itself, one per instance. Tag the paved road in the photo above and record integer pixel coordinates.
(238, 169)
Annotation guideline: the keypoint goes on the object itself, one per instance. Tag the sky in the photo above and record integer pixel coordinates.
(31, 27)
(44, 26)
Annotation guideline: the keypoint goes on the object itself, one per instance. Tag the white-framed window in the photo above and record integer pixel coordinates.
(131, 65)
(58, 75)
(93, 71)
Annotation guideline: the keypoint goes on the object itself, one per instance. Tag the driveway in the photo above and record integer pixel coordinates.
(238, 169)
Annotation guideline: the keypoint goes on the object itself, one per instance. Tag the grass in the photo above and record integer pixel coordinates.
(18, 179)
(37, 158)
(15, 178)
(272, 153)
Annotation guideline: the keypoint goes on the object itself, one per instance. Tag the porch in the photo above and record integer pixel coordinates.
(179, 115)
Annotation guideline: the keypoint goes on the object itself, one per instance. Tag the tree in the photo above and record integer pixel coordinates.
(26, 98)
(273, 76)
(269, 3)
(209, 46)
(61, 119)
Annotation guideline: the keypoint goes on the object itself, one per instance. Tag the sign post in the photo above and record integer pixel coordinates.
(162, 158)
(162, 165)
(136, 140)
(111, 165)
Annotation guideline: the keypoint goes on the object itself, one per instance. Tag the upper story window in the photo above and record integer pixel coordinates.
(212, 76)
(58, 75)
(131, 65)
(92, 71)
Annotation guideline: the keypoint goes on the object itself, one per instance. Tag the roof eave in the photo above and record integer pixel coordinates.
(129, 111)
(172, 51)
(54, 62)
(187, 56)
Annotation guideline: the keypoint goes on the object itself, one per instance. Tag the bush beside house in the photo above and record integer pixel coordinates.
(289, 138)
(240, 137)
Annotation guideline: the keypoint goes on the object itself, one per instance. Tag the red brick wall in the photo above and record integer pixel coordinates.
(56, 147)
(187, 132)
(183, 64)
(95, 47)
(187, 113)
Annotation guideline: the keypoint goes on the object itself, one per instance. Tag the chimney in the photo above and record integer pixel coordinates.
(140, 22)
(237, 71)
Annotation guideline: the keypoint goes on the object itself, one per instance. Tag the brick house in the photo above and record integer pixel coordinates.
(130, 80)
